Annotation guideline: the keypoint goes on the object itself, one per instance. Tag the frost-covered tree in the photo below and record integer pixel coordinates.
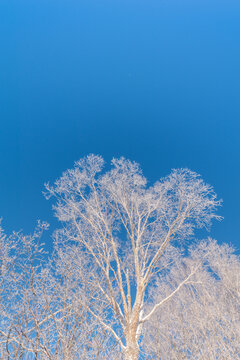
(202, 320)
(44, 311)
(123, 232)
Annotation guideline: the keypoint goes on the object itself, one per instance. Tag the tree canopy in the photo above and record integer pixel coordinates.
(127, 278)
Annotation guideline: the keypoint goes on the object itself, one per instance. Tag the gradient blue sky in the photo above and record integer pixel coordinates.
(157, 81)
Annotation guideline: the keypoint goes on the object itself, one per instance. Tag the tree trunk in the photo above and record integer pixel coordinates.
(132, 348)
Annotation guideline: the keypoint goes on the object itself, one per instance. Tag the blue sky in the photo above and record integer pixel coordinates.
(157, 81)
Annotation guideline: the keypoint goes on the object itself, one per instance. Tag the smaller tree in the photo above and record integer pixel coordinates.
(202, 320)
(44, 311)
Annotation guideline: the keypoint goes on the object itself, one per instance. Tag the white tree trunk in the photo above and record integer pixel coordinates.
(132, 347)
(132, 350)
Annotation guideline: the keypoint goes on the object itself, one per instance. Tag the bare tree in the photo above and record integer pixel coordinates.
(202, 320)
(44, 311)
(124, 231)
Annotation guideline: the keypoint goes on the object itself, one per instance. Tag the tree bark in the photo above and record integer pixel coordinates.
(132, 348)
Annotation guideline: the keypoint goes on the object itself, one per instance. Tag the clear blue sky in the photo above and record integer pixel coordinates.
(157, 81)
